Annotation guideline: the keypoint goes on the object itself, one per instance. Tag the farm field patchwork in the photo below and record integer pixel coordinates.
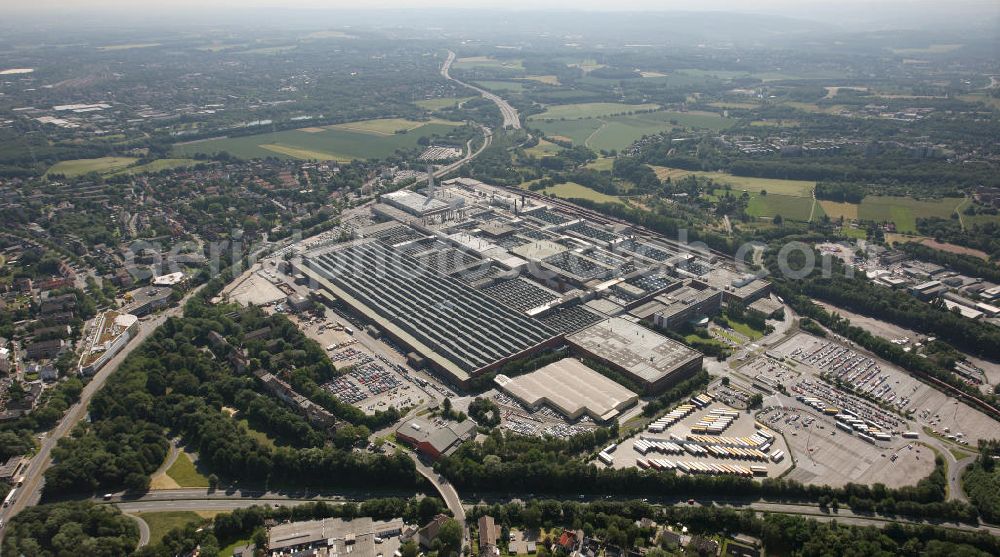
(546, 79)
(342, 142)
(588, 110)
(79, 167)
(798, 188)
(618, 132)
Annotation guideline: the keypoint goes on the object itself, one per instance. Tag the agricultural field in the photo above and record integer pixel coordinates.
(473, 62)
(618, 132)
(79, 167)
(439, 103)
(114, 47)
(546, 79)
(904, 211)
(929, 49)
(796, 188)
(158, 165)
(507, 86)
(572, 190)
(543, 149)
(788, 206)
(342, 142)
(589, 110)
(836, 210)
(601, 164)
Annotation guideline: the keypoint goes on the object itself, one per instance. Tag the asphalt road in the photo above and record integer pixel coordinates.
(143, 529)
(510, 116)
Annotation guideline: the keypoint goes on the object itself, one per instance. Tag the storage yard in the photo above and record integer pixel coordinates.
(702, 436)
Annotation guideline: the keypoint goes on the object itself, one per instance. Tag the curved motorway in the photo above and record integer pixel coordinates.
(510, 117)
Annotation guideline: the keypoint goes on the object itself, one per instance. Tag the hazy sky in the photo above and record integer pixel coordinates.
(880, 13)
(728, 5)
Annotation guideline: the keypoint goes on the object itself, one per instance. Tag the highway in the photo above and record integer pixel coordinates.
(510, 117)
(204, 500)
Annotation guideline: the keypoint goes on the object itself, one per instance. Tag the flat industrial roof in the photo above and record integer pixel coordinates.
(462, 325)
(643, 352)
(572, 388)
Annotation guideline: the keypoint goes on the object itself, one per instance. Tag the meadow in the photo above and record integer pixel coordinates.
(572, 190)
(79, 167)
(342, 142)
(796, 188)
(543, 149)
(904, 211)
(788, 206)
(509, 86)
(183, 472)
(162, 522)
(157, 166)
(473, 62)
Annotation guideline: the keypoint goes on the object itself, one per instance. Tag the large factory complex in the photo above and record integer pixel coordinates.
(467, 277)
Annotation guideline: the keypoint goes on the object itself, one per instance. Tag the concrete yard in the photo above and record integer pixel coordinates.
(255, 289)
(826, 455)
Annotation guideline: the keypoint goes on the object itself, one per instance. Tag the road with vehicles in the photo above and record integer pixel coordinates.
(510, 117)
(205, 500)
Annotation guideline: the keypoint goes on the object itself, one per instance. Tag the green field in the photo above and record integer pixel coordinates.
(79, 167)
(474, 62)
(797, 188)
(512, 86)
(904, 211)
(344, 142)
(162, 522)
(929, 49)
(439, 103)
(543, 149)
(158, 165)
(114, 47)
(618, 132)
(788, 206)
(601, 164)
(572, 190)
(588, 110)
(185, 474)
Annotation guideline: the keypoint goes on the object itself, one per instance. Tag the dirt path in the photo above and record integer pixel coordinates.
(586, 142)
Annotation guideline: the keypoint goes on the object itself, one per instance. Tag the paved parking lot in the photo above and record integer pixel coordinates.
(930, 407)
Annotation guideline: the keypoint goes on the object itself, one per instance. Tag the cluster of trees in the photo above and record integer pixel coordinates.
(982, 481)
(73, 528)
(485, 412)
(617, 523)
(844, 192)
(171, 382)
(982, 236)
